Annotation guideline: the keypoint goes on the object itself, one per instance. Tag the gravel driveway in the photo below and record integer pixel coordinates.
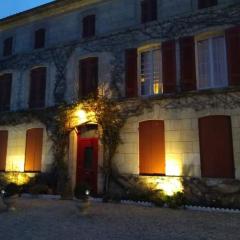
(56, 219)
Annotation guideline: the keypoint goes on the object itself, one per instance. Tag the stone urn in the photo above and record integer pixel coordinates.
(10, 196)
(84, 204)
(10, 202)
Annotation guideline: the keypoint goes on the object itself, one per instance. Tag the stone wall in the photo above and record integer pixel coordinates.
(17, 144)
(182, 150)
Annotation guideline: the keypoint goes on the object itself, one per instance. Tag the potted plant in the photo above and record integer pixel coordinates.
(10, 195)
(82, 194)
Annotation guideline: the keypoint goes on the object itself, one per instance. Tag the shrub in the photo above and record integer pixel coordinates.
(39, 189)
(11, 189)
(175, 201)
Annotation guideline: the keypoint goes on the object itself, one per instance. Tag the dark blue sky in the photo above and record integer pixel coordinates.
(10, 7)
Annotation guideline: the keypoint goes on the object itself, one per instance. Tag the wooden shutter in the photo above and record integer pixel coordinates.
(188, 65)
(131, 79)
(5, 91)
(206, 3)
(169, 67)
(152, 147)
(7, 46)
(148, 10)
(88, 77)
(89, 26)
(37, 87)
(3, 149)
(233, 55)
(33, 154)
(40, 38)
(216, 147)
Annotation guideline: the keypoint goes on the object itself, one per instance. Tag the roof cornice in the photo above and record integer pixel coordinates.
(47, 10)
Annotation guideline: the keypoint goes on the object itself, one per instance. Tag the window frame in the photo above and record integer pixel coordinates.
(35, 47)
(85, 26)
(30, 104)
(150, 18)
(5, 52)
(144, 49)
(8, 108)
(205, 7)
(209, 36)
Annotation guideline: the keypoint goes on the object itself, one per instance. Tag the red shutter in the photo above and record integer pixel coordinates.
(7, 49)
(216, 147)
(131, 79)
(152, 147)
(169, 67)
(40, 38)
(233, 54)
(37, 87)
(5, 91)
(3, 149)
(88, 77)
(149, 10)
(89, 26)
(188, 65)
(206, 3)
(33, 155)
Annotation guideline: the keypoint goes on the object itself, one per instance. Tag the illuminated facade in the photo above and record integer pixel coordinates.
(180, 56)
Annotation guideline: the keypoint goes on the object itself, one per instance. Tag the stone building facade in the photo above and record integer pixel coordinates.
(179, 56)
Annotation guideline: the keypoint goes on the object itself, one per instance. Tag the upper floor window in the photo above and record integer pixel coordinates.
(40, 38)
(150, 75)
(206, 3)
(212, 62)
(5, 91)
(37, 87)
(89, 23)
(148, 10)
(88, 76)
(7, 47)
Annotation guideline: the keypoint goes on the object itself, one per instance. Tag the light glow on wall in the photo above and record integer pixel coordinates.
(80, 116)
(169, 185)
(15, 163)
(173, 165)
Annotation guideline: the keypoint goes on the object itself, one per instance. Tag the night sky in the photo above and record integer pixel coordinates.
(10, 7)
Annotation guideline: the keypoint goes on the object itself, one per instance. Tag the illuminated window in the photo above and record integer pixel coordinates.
(150, 72)
(212, 62)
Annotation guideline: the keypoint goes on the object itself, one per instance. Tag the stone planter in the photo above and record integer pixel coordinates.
(83, 206)
(11, 202)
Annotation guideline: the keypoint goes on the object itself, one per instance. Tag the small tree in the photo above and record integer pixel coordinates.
(109, 115)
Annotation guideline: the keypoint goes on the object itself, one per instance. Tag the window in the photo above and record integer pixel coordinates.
(33, 153)
(37, 87)
(3, 149)
(212, 62)
(7, 47)
(88, 26)
(216, 148)
(5, 91)
(152, 147)
(39, 38)
(150, 72)
(88, 77)
(148, 10)
(206, 3)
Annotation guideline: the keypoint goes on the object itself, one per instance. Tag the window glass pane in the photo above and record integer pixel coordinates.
(146, 72)
(157, 72)
(88, 158)
(204, 74)
(151, 72)
(219, 62)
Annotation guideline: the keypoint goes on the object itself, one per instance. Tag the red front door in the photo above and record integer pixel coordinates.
(87, 162)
